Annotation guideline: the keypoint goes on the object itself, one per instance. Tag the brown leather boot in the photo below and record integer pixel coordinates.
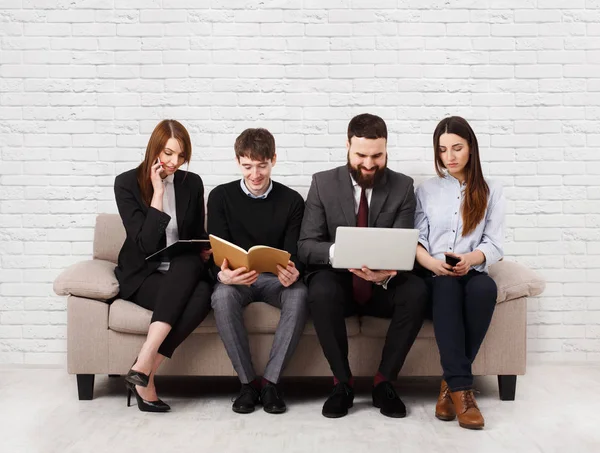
(468, 413)
(444, 409)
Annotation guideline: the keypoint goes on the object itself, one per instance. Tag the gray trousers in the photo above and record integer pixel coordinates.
(228, 303)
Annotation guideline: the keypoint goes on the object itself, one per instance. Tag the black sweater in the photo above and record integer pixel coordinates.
(245, 221)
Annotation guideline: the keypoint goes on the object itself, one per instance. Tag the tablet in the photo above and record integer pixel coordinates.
(181, 247)
(375, 248)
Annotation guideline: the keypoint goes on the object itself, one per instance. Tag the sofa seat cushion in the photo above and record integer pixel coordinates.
(127, 317)
(92, 279)
(377, 327)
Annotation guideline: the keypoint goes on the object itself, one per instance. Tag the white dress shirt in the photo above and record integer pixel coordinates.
(171, 232)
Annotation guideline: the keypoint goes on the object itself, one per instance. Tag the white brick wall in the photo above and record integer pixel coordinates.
(83, 83)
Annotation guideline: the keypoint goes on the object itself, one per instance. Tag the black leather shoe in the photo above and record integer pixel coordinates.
(246, 400)
(144, 405)
(137, 377)
(386, 399)
(338, 403)
(272, 400)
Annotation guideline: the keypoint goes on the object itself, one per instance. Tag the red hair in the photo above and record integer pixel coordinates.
(161, 134)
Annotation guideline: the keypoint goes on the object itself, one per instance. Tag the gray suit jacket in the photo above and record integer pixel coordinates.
(330, 204)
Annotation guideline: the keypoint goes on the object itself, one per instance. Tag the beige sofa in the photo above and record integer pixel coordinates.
(104, 338)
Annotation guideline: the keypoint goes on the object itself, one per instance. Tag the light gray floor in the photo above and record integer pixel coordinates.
(557, 410)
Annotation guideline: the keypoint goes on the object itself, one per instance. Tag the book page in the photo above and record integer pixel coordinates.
(265, 259)
(222, 249)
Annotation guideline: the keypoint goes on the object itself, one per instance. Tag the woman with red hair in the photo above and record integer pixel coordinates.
(160, 204)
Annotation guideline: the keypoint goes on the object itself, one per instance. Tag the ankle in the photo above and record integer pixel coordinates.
(264, 382)
(378, 379)
(256, 383)
(144, 362)
(350, 382)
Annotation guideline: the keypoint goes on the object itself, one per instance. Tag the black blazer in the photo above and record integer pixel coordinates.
(330, 204)
(145, 226)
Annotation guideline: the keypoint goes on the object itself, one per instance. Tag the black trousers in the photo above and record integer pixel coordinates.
(330, 301)
(462, 309)
(179, 297)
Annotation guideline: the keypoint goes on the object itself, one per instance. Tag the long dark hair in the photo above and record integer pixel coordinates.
(477, 190)
(163, 131)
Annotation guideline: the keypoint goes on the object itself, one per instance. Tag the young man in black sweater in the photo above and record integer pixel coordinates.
(258, 211)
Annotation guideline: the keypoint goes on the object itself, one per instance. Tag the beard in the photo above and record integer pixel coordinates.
(366, 181)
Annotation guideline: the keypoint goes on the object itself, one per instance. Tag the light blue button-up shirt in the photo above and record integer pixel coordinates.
(439, 221)
(251, 195)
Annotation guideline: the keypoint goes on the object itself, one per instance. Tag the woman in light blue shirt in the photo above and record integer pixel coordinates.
(460, 217)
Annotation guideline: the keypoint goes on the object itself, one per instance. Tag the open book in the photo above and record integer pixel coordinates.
(259, 258)
(180, 247)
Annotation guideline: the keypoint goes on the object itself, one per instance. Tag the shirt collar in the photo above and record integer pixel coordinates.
(355, 185)
(251, 195)
(169, 179)
(453, 180)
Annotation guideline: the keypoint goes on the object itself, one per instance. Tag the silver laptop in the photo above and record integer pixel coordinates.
(375, 248)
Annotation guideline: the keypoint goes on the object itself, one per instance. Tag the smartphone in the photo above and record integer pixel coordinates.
(452, 260)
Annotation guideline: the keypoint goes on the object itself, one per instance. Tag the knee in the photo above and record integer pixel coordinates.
(446, 294)
(445, 283)
(482, 287)
(415, 293)
(323, 291)
(295, 299)
(420, 292)
(298, 291)
(225, 298)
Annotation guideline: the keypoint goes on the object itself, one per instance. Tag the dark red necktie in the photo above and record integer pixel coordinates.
(362, 289)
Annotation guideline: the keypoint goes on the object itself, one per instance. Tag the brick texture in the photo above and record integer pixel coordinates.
(82, 84)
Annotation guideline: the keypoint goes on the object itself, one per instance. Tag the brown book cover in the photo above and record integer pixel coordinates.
(259, 258)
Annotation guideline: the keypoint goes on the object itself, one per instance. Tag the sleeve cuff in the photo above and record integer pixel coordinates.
(490, 254)
(385, 283)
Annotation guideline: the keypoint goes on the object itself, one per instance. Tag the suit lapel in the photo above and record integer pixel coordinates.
(346, 195)
(378, 197)
(182, 199)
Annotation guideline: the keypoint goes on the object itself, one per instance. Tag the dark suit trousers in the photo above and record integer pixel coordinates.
(462, 311)
(330, 301)
(177, 297)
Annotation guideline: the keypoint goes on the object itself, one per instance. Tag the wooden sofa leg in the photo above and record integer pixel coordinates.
(507, 385)
(85, 386)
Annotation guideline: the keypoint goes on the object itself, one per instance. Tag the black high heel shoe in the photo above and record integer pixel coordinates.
(143, 405)
(137, 377)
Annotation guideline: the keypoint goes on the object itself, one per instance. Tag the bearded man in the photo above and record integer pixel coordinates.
(363, 193)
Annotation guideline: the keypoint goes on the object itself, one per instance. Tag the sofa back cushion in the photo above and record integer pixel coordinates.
(109, 236)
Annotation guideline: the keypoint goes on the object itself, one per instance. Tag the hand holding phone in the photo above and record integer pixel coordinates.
(452, 260)
(155, 172)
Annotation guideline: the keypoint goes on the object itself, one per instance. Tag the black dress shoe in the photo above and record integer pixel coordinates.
(271, 399)
(340, 400)
(246, 400)
(386, 399)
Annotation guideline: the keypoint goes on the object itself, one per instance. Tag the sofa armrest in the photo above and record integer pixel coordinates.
(515, 280)
(92, 279)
